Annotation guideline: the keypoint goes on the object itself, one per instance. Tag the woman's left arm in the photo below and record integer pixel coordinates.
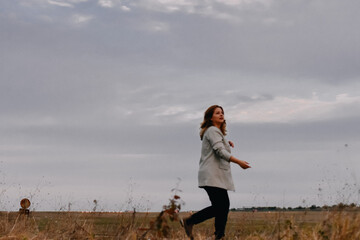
(241, 163)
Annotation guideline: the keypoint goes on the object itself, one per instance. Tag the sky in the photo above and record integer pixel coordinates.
(102, 100)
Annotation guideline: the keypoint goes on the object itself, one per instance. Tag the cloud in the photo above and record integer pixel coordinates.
(44, 3)
(46, 18)
(77, 1)
(112, 4)
(157, 26)
(29, 121)
(175, 113)
(80, 19)
(290, 109)
(61, 4)
(261, 109)
(255, 4)
(125, 8)
(106, 3)
(223, 10)
(198, 6)
(110, 98)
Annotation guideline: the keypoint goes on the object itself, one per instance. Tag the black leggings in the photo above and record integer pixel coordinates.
(219, 209)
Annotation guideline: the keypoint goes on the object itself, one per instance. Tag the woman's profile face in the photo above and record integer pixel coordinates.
(218, 117)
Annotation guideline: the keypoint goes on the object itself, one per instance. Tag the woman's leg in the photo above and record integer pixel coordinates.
(196, 218)
(201, 215)
(219, 209)
(220, 205)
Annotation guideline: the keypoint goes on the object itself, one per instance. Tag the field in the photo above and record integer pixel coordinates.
(339, 225)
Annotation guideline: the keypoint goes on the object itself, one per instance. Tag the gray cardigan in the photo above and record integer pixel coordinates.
(214, 170)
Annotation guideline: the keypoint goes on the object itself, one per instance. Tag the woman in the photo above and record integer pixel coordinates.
(214, 172)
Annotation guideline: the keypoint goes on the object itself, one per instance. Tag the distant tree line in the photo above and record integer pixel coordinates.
(340, 206)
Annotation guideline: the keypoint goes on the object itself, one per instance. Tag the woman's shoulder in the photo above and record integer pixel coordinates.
(212, 130)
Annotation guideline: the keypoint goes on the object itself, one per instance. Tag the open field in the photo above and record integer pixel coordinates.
(241, 225)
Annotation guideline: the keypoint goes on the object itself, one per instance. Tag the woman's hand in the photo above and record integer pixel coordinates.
(241, 163)
(244, 164)
(231, 144)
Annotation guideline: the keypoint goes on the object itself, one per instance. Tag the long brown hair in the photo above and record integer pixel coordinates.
(208, 123)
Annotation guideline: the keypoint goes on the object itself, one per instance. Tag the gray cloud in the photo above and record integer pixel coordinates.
(102, 92)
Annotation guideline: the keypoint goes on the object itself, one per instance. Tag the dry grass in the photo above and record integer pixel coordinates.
(334, 225)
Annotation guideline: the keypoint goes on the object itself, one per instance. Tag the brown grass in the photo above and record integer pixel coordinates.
(317, 225)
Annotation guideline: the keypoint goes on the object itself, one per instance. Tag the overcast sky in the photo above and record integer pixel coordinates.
(102, 99)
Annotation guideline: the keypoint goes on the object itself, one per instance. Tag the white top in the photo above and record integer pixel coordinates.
(214, 170)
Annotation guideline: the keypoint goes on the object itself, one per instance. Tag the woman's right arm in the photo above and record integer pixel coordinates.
(241, 163)
(215, 137)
